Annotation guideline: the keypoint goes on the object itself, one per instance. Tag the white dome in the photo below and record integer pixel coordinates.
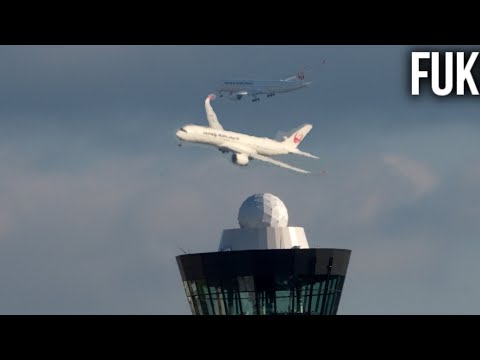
(261, 211)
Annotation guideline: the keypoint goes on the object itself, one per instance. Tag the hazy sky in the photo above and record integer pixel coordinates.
(96, 198)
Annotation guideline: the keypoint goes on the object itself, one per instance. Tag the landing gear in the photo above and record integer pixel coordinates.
(255, 99)
(270, 95)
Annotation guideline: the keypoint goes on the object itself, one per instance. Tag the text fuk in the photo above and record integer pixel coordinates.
(444, 75)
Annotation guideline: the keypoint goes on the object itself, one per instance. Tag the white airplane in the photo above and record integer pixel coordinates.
(237, 89)
(245, 147)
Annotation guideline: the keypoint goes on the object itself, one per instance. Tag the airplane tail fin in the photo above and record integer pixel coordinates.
(296, 136)
(300, 76)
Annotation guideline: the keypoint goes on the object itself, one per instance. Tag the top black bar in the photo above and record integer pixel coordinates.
(293, 30)
(137, 37)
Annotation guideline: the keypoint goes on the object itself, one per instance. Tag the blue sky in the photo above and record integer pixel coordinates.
(96, 198)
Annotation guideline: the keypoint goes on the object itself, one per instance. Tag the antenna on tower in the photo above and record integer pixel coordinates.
(182, 250)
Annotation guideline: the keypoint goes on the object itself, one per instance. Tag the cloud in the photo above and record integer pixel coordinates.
(366, 191)
(471, 176)
(422, 179)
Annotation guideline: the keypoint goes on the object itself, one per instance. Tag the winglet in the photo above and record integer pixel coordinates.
(211, 116)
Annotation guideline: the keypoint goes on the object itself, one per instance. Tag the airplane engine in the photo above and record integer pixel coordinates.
(235, 97)
(240, 159)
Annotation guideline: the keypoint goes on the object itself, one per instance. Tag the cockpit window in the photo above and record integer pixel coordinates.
(185, 128)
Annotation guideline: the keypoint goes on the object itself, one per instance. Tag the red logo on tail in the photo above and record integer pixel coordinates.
(298, 137)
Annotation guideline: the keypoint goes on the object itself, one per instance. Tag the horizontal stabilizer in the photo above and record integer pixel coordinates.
(306, 154)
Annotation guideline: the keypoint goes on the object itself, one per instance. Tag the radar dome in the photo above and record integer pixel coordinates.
(261, 211)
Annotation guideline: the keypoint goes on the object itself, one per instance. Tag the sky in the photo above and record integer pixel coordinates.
(96, 199)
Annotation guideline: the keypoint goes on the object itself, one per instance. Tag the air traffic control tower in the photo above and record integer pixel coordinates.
(264, 268)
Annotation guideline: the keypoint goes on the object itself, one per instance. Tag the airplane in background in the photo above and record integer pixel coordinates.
(245, 147)
(237, 89)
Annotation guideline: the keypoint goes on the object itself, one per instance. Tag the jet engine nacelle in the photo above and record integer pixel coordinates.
(235, 97)
(240, 159)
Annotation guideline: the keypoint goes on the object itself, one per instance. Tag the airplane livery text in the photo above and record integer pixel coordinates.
(221, 135)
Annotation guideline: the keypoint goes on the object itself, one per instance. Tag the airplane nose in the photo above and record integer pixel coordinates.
(180, 134)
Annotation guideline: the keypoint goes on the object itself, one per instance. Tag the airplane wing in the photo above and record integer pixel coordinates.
(236, 148)
(211, 116)
(238, 95)
(278, 163)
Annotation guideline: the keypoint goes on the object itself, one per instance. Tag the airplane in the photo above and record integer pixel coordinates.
(237, 89)
(245, 147)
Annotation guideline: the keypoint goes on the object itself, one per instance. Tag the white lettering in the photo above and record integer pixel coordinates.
(464, 73)
(448, 74)
(416, 73)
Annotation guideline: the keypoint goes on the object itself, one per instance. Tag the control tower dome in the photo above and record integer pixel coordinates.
(263, 210)
(263, 220)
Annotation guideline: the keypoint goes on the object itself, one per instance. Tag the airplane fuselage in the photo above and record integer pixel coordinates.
(245, 148)
(219, 138)
(260, 86)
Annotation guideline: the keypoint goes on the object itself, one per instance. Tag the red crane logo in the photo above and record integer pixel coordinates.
(298, 137)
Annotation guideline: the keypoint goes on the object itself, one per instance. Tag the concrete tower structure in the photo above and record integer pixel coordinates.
(265, 267)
